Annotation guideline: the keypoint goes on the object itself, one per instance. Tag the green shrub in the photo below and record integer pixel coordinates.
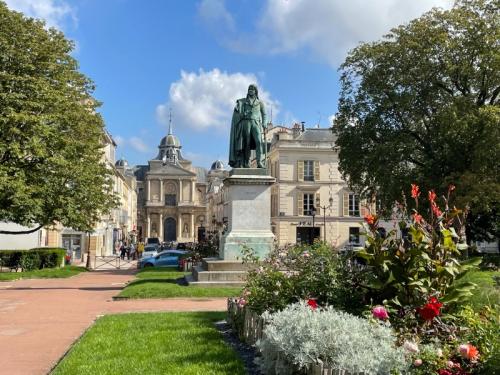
(50, 257)
(30, 260)
(294, 273)
(33, 259)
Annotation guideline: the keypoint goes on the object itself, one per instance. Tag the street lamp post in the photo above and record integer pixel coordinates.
(324, 208)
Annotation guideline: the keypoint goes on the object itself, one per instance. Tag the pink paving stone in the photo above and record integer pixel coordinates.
(41, 318)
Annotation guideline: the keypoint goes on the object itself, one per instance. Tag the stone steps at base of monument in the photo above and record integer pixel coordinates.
(199, 273)
(216, 264)
(191, 281)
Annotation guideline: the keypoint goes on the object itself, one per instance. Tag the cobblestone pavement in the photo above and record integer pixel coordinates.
(41, 318)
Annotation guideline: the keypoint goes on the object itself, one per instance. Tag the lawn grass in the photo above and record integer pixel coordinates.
(163, 282)
(487, 292)
(46, 273)
(152, 343)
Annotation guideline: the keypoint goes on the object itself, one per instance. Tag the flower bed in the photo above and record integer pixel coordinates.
(404, 280)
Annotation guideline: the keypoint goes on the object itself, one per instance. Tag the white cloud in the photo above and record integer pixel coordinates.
(135, 143)
(331, 119)
(214, 14)
(138, 145)
(206, 100)
(119, 140)
(53, 12)
(327, 28)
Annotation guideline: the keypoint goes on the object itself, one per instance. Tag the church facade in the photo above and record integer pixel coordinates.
(171, 195)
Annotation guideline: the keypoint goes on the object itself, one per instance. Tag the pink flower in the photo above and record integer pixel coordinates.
(418, 362)
(305, 254)
(380, 312)
(242, 302)
(450, 364)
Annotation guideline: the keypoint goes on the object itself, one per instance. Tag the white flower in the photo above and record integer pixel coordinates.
(411, 347)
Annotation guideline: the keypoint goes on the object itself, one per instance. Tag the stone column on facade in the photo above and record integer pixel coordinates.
(193, 185)
(148, 226)
(161, 190)
(149, 191)
(192, 226)
(180, 191)
(161, 227)
(179, 226)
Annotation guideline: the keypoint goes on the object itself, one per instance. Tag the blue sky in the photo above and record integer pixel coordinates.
(197, 57)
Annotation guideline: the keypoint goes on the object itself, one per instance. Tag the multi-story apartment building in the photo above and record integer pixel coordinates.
(119, 224)
(310, 200)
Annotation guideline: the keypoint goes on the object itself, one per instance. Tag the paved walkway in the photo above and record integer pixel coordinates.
(41, 318)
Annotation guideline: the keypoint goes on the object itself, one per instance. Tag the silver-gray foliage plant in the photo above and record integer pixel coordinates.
(303, 336)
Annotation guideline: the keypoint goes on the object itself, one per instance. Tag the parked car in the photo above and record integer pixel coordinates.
(150, 251)
(153, 241)
(167, 258)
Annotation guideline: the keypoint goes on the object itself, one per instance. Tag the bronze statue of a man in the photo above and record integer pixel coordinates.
(247, 128)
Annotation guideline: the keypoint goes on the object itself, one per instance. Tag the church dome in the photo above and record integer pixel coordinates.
(217, 165)
(170, 140)
(121, 163)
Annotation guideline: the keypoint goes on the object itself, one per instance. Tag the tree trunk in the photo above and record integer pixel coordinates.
(87, 265)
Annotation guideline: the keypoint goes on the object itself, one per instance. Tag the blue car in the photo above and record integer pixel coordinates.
(167, 258)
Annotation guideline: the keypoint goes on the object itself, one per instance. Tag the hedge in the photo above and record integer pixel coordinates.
(33, 259)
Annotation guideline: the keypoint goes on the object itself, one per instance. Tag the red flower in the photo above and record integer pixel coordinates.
(417, 218)
(370, 219)
(432, 196)
(443, 371)
(312, 303)
(469, 352)
(435, 209)
(415, 191)
(430, 310)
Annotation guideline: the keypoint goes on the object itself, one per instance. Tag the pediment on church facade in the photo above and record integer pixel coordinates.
(169, 169)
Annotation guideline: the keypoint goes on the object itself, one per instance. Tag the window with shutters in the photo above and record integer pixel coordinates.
(353, 205)
(308, 204)
(354, 236)
(308, 170)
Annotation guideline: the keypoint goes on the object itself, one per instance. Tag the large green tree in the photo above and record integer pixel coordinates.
(51, 137)
(422, 106)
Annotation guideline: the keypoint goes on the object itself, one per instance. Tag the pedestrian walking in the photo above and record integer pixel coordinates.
(132, 251)
(127, 248)
(123, 251)
(140, 249)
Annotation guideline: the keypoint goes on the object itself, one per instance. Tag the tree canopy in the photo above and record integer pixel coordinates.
(422, 106)
(51, 137)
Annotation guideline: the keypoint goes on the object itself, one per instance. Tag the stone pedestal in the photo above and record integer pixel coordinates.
(249, 214)
(248, 194)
